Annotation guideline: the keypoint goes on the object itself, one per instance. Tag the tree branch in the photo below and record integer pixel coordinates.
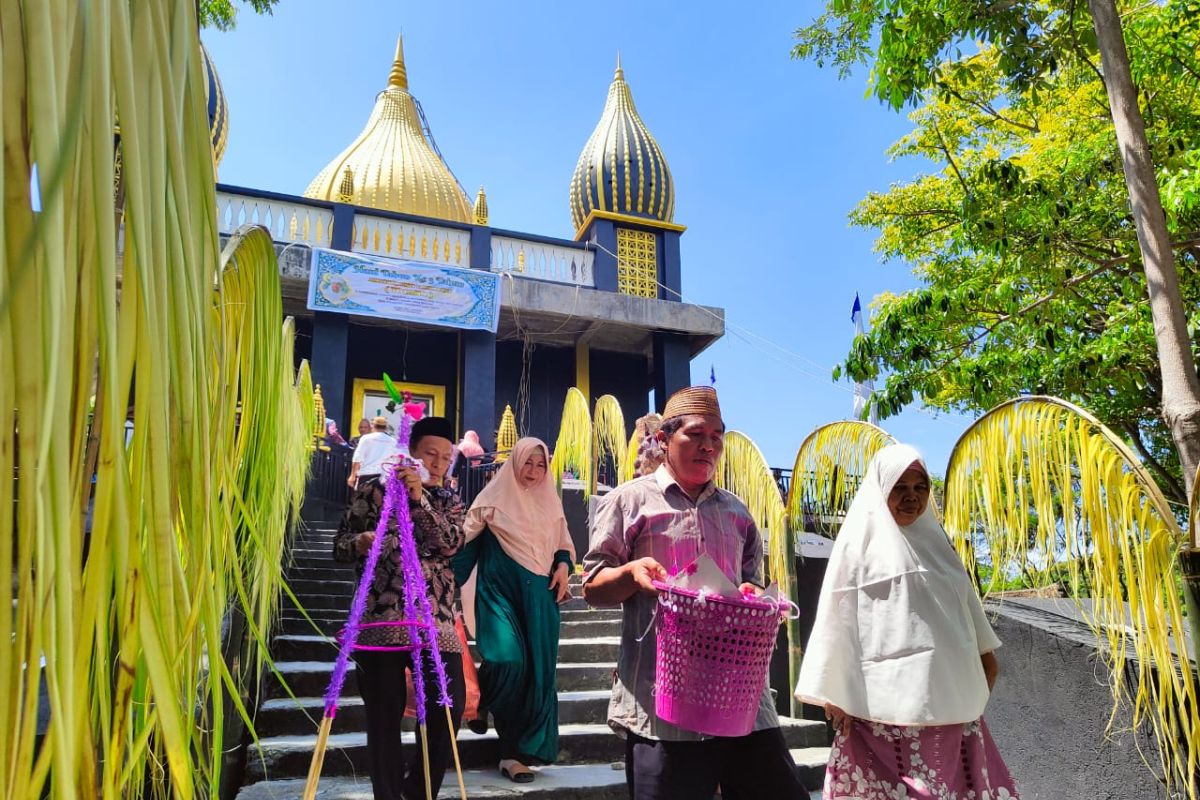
(950, 158)
(1170, 485)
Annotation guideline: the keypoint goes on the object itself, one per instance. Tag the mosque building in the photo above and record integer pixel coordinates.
(601, 311)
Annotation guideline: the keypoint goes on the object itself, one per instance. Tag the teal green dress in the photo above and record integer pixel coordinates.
(516, 630)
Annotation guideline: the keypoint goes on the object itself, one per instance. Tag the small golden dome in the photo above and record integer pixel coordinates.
(481, 210)
(622, 170)
(391, 164)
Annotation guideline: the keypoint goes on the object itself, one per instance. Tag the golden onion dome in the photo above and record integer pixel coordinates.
(391, 164)
(622, 169)
(218, 108)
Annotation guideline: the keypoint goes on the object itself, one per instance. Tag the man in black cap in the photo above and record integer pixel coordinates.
(437, 517)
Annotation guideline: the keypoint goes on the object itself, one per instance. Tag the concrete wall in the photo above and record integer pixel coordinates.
(1048, 715)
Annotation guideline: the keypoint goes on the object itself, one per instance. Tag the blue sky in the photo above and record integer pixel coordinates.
(768, 154)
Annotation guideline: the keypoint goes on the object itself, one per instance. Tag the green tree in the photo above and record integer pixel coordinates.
(1032, 255)
(222, 14)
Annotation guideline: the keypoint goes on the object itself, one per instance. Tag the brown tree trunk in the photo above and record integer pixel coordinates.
(1180, 386)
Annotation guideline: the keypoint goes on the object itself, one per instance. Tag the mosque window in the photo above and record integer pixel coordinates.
(637, 263)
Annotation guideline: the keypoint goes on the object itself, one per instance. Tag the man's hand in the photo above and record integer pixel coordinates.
(351, 481)
(412, 482)
(559, 585)
(840, 719)
(363, 542)
(644, 572)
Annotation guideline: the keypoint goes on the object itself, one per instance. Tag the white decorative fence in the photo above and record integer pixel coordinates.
(547, 262)
(287, 222)
(393, 238)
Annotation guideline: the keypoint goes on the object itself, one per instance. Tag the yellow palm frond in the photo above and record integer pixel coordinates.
(1042, 484)
(129, 549)
(829, 465)
(573, 449)
(744, 471)
(629, 462)
(608, 434)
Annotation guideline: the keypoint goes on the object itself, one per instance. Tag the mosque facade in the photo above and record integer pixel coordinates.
(601, 311)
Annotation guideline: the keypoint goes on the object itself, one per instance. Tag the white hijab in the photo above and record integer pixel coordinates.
(899, 627)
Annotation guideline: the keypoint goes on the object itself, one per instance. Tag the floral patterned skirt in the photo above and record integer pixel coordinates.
(940, 762)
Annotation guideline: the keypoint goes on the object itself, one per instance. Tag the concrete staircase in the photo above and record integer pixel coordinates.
(590, 757)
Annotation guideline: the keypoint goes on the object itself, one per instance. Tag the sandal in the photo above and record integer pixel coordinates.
(515, 771)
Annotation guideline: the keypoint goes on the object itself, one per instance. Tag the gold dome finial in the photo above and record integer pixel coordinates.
(481, 210)
(394, 166)
(398, 77)
(346, 190)
(619, 75)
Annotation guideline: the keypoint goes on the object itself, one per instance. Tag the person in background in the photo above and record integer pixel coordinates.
(366, 487)
(437, 516)
(364, 427)
(901, 654)
(665, 520)
(517, 538)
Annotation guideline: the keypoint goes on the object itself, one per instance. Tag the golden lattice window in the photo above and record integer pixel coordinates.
(637, 263)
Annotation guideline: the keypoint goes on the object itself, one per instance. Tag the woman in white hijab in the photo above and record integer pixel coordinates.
(900, 655)
(518, 541)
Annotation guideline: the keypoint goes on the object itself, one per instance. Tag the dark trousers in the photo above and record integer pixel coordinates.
(757, 766)
(381, 684)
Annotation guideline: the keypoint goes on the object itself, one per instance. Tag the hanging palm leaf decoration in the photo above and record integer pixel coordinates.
(1042, 486)
(126, 559)
(608, 434)
(573, 449)
(744, 471)
(629, 462)
(828, 468)
(829, 465)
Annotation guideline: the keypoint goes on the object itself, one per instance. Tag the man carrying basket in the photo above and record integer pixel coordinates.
(644, 531)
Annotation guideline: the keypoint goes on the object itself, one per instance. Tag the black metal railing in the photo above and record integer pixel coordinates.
(473, 474)
(327, 480)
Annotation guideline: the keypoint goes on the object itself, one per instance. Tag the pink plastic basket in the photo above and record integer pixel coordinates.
(713, 655)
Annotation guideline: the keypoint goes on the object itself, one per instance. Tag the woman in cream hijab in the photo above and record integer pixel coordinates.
(517, 539)
(900, 655)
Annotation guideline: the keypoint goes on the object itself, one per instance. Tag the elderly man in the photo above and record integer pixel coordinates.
(644, 528)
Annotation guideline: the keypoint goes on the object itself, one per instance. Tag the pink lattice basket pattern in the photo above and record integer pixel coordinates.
(713, 656)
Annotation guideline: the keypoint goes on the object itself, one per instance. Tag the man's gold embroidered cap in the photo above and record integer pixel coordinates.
(693, 400)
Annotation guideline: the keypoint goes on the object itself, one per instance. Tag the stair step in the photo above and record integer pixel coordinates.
(591, 614)
(311, 678)
(284, 716)
(556, 782)
(315, 647)
(289, 756)
(810, 765)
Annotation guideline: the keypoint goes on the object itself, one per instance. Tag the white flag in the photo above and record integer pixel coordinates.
(863, 390)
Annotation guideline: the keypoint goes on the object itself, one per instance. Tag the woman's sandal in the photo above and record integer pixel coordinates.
(515, 771)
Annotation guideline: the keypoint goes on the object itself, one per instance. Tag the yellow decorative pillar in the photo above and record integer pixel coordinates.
(583, 368)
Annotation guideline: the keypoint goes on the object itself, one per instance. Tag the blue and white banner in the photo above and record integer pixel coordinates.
(411, 291)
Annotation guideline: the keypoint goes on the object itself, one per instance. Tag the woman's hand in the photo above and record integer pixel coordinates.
(558, 583)
(363, 542)
(840, 719)
(412, 482)
(991, 668)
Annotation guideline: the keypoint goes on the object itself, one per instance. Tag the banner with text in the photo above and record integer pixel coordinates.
(404, 290)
